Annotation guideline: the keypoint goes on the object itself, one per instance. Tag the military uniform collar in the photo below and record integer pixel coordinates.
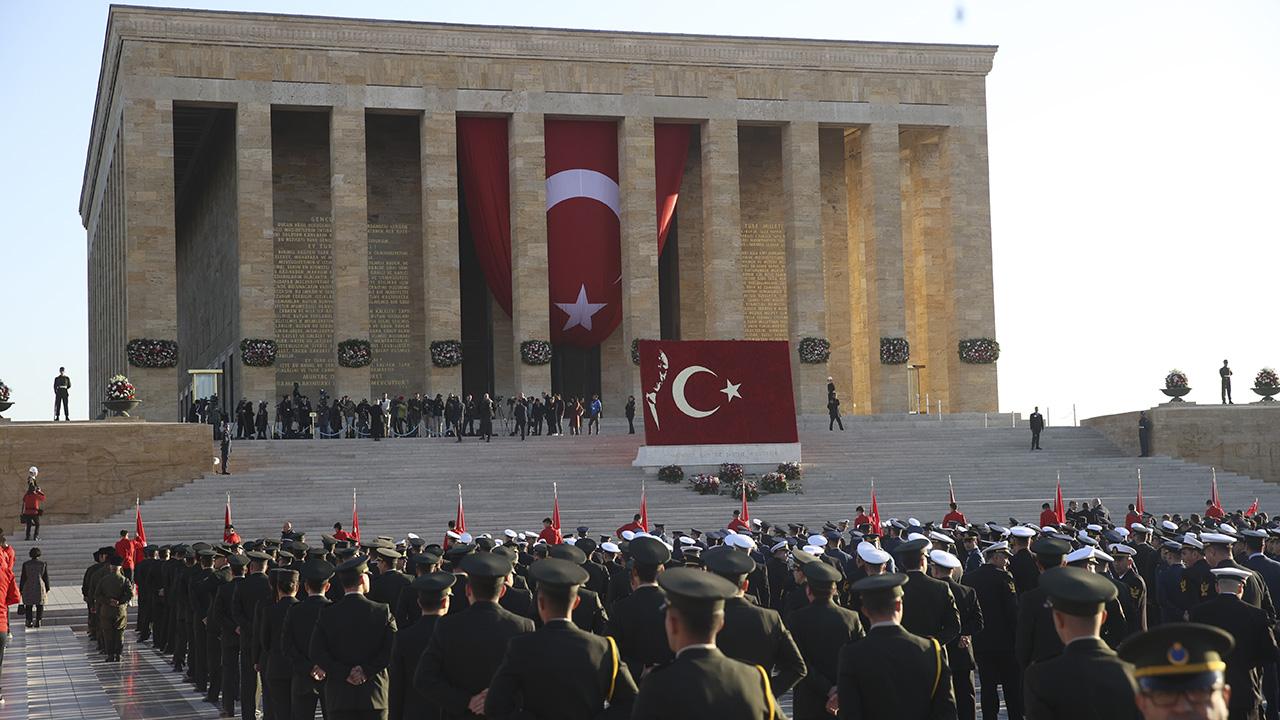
(700, 649)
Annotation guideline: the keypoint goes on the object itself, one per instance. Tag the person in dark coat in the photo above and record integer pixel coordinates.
(1037, 427)
(61, 395)
(228, 642)
(484, 412)
(295, 637)
(960, 651)
(467, 647)
(274, 664)
(928, 608)
(1087, 680)
(201, 590)
(1036, 638)
(351, 646)
(1022, 564)
(1197, 584)
(390, 582)
(752, 634)
(820, 630)
(1253, 633)
(1133, 589)
(1169, 583)
(701, 682)
(833, 411)
(559, 671)
(891, 673)
(637, 621)
(251, 592)
(993, 645)
(630, 412)
(430, 593)
(1144, 434)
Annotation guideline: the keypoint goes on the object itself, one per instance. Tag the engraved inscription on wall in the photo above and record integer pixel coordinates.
(304, 305)
(391, 308)
(764, 280)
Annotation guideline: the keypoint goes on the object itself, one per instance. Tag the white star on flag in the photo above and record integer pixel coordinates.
(580, 311)
(731, 390)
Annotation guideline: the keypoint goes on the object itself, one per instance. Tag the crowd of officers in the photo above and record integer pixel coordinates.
(854, 621)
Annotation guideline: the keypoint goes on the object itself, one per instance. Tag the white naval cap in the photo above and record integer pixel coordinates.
(466, 537)
(813, 549)
(1048, 529)
(1189, 540)
(1122, 549)
(741, 541)
(33, 470)
(818, 540)
(452, 535)
(1093, 527)
(686, 540)
(780, 545)
(1139, 528)
(1226, 528)
(871, 554)
(1216, 539)
(509, 533)
(1122, 532)
(1230, 573)
(944, 539)
(570, 541)
(1169, 525)
(1084, 553)
(628, 535)
(1021, 531)
(944, 559)
(1099, 555)
(610, 547)
(1001, 546)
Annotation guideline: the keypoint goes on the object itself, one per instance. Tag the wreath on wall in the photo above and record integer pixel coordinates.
(446, 353)
(979, 351)
(152, 353)
(258, 352)
(535, 352)
(814, 350)
(353, 353)
(894, 351)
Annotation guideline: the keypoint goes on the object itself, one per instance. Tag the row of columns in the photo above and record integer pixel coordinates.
(872, 264)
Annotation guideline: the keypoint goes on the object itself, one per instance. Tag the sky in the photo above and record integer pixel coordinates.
(1133, 177)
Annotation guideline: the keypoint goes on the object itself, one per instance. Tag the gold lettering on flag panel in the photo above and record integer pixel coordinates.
(764, 280)
(306, 354)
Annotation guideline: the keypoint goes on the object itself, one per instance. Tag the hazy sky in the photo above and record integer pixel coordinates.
(1133, 175)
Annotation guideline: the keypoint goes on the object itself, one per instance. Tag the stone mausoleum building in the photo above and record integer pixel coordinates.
(308, 181)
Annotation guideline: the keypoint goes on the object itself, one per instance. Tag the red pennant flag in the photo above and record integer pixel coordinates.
(875, 510)
(644, 509)
(1253, 509)
(138, 530)
(460, 523)
(555, 507)
(1060, 508)
(746, 514)
(1138, 506)
(1217, 503)
(951, 490)
(226, 521)
(355, 518)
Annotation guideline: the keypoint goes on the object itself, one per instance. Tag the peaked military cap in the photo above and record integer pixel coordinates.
(727, 562)
(205, 553)
(912, 547)
(458, 551)
(820, 572)
(1051, 547)
(284, 575)
(586, 545)
(888, 585)
(316, 570)
(1076, 591)
(649, 551)
(692, 589)
(387, 553)
(488, 565)
(1178, 656)
(567, 552)
(238, 560)
(357, 565)
(434, 582)
(558, 572)
(259, 556)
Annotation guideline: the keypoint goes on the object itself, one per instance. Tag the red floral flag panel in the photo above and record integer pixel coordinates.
(584, 260)
(715, 392)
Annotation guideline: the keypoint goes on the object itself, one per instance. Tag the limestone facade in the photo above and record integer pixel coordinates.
(832, 189)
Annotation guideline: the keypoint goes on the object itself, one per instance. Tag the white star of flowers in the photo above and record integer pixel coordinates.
(731, 390)
(580, 311)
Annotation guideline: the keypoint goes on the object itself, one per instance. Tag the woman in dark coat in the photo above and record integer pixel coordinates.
(34, 584)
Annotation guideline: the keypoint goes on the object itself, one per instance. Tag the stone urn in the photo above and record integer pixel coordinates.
(1176, 393)
(1267, 394)
(5, 405)
(120, 408)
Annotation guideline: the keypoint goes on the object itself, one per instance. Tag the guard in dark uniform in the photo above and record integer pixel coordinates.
(928, 608)
(1037, 427)
(112, 593)
(251, 592)
(1178, 661)
(299, 623)
(960, 650)
(407, 610)
(891, 673)
(1144, 434)
(752, 634)
(201, 591)
(467, 647)
(1197, 583)
(560, 671)
(701, 682)
(1022, 564)
(223, 617)
(1133, 591)
(993, 645)
(430, 593)
(637, 621)
(1253, 633)
(212, 628)
(1087, 680)
(389, 583)
(351, 645)
(1225, 373)
(820, 630)
(589, 613)
(61, 395)
(1036, 639)
(274, 665)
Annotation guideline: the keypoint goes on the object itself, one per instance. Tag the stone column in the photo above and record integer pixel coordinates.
(968, 209)
(350, 242)
(693, 315)
(722, 231)
(255, 239)
(806, 306)
(881, 198)
(443, 315)
(929, 276)
(530, 304)
(836, 265)
(150, 265)
(640, 311)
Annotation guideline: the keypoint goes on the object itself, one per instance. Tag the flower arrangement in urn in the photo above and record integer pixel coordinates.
(119, 388)
(1176, 385)
(1267, 384)
(4, 392)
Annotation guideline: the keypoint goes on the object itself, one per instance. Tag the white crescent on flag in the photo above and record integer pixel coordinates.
(580, 182)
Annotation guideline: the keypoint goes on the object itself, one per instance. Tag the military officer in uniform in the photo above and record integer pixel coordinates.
(1253, 633)
(1037, 427)
(637, 621)
(1197, 581)
(251, 592)
(588, 613)
(1036, 638)
(1022, 564)
(560, 671)
(112, 594)
(386, 587)
(1087, 680)
(351, 647)
(430, 593)
(960, 650)
(891, 673)
(273, 664)
(993, 645)
(1218, 554)
(207, 591)
(1225, 373)
(928, 608)
(200, 590)
(467, 647)
(295, 637)
(228, 644)
(701, 682)
(820, 630)
(407, 609)
(752, 634)
(1179, 668)
(1133, 591)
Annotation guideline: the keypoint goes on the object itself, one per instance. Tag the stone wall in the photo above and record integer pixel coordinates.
(91, 470)
(763, 271)
(1243, 439)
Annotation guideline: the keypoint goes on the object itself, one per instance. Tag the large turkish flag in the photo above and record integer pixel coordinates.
(716, 392)
(584, 256)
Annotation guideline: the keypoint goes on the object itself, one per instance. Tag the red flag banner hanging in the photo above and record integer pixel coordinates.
(355, 518)
(1138, 505)
(1058, 508)
(226, 521)
(670, 149)
(486, 188)
(700, 392)
(555, 507)
(138, 530)
(875, 511)
(460, 522)
(1253, 509)
(644, 510)
(584, 257)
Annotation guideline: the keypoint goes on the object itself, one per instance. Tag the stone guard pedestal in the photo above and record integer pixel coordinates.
(754, 457)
